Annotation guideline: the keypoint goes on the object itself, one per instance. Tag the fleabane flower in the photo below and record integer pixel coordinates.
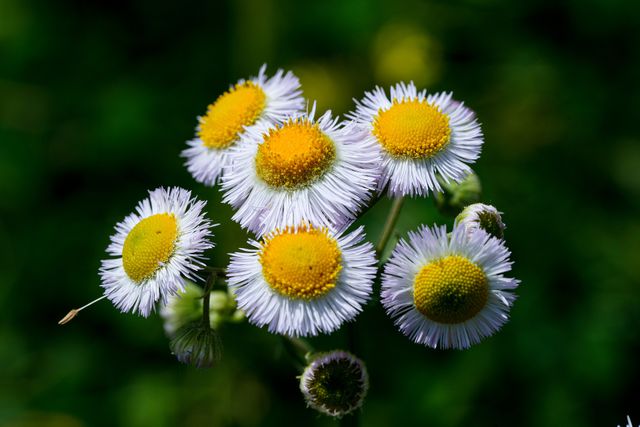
(448, 292)
(242, 106)
(155, 248)
(479, 216)
(419, 135)
(335, 383)
(305, 280)
(302, 170)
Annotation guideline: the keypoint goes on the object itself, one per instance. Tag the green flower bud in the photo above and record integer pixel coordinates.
(455, 196)
(335, 383)
(484, 217)
(197, 344)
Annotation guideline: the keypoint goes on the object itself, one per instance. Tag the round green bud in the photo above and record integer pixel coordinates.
(197, 344)
(335, 383)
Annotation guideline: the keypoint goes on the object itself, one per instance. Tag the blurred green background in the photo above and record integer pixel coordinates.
(97, 99)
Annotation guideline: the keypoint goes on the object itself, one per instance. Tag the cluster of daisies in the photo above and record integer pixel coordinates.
(298, 179)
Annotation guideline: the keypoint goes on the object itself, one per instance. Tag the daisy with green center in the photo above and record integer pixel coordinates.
(155, 248)
(302, 170)
(448, 292)
(419, 135)
(335, 383)
(242, 106)
(301, 281)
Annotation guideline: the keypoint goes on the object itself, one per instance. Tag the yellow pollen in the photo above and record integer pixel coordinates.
(412, 129)
(230, 113)
(148, 245)
(450, 290)
(303, 264)
(294, 155)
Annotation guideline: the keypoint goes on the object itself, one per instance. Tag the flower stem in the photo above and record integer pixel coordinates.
(211, 280)
(389, 226)
(298, 349)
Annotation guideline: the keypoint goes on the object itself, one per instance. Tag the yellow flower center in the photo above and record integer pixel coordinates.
(294, 155)
(303, 264)
(412, 129)
(233, 110)
(148, 245)
(450, 290)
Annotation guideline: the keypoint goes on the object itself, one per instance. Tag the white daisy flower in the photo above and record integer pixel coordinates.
(303, 281)
(335, 383)
(480, 216)
(241, 107)
(303, 170)
(154, 248)
(448, 292)
(419, 135)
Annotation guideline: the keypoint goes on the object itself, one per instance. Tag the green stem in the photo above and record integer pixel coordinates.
(389, 226)
(211, 280)
(298, 349)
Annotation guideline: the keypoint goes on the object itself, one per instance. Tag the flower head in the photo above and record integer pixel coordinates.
(155, 248)
(244, 105)
(302, 170)
(304, 280)
(448, 292)
(335, 383)
(479, 216)
(419, 135)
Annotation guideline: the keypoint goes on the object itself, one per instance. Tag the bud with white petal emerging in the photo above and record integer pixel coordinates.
(484, 217)
(335, 383)
(457, 195)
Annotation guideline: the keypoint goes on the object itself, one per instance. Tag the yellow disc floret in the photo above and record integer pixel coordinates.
(412, 129)
(450, 290)
(302, 264)
(148, 245)
(233, 110)
(294, 155)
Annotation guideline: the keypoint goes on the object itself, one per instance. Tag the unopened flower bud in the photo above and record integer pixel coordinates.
(197, 344)
(335, 383)
(484, 217)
